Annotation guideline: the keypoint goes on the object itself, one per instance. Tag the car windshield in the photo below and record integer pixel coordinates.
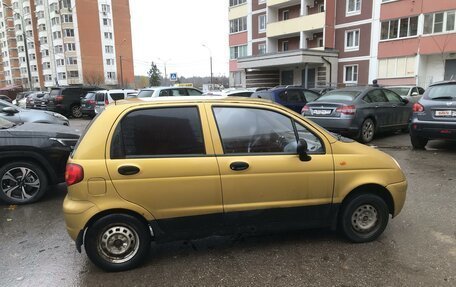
(441, 92)
(90, 96)
(5, 124)
(338, 96)
(145, 94)
(400, 91)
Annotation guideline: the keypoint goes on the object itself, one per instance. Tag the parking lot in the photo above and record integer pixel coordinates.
(418, 248)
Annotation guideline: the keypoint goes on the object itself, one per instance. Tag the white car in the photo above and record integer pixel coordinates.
(105, 97)
(411, 93)
(153, 92)
(246, 93)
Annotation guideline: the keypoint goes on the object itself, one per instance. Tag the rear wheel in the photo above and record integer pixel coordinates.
(367, 131)
(117, 242)
(364, 217)
(22, 183)
(418, 142)
(76, 111)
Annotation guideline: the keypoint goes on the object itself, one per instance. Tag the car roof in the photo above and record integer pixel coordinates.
(190, 99)
(450, 82)
(165, 87)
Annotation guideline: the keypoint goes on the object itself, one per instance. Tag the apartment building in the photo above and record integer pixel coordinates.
(45, 43)
(417, 42)
(340, 43)
(281, 42)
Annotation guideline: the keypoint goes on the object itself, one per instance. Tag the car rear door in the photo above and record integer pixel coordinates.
(163, 159)
(401, 111)
(264, 182)
(382, 110)
(293, 99)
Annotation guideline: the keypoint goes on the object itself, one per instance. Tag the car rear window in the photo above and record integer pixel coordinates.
(145, 93)
(262, 95)
(100, 97)
(441, 92)
(400, 91)
(338, 96)
(193, 92)
(90, 96)
(55, 92)
(117, 96)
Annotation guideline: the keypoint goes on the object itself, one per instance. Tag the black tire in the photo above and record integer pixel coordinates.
(367, 131)
(129, 230)
(22, 182)
(363, 218)
(76, 111)
(418, 142)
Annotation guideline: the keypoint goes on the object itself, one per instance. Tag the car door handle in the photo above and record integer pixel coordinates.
(239, 165)
(394, 106)
(128, 170)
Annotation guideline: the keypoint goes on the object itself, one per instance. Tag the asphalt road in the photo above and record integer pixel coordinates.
(418, 248)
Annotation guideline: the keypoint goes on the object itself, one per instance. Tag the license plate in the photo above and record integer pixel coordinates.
(321, 112)
(445, 113)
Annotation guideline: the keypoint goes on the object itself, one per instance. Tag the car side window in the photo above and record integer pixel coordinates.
(310, 97)
(420, 90)
(165, 93)
(251, 130)
(377, 96)
(158, 132)
(392, 97)
(193, 92)
(314, 144)
(291, 96)
(100, 97)
(179, 92)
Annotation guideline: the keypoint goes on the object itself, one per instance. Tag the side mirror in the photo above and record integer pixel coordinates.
(301, 149)
(405, 100)
(10, 111)
(414, 94)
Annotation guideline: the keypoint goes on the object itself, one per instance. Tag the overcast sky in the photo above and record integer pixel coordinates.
(173, 31)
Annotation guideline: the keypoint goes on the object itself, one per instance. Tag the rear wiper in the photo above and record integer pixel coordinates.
(443, 98)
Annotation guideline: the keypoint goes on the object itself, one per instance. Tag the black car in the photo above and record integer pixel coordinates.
(37, 100)
(32, 157)
(5, 98)
(292, 97)
(88, 104)
(434, 115)
(67, 100)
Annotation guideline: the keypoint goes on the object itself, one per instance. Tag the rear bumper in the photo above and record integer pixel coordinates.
(88, 111)
(339, 125)
(433, 130)
(77, 214)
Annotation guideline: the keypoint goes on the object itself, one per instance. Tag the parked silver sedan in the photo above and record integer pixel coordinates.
(360, 112)
(411, 93)
(16, 114)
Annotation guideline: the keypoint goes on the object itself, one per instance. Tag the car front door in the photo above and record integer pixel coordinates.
(264, 182)
(163, 158)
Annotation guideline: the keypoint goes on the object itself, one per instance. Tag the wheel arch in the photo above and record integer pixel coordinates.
(33, 158)
(371, 188)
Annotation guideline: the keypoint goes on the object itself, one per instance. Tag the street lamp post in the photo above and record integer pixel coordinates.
(164, 63)
(210, 58)
(24, 36)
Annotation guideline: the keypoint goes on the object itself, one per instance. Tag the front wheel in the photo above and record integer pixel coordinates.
(22, 182)
(367, 131)
(76, 111)
(117, 242)
(364, 218)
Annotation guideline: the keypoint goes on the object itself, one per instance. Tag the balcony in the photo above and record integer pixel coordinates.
(296, 25)
(238, 11)
(282, 3)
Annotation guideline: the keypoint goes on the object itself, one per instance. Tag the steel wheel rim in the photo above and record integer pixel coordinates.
(77, 112)
(365, 218)
(118, 244)
(368, 130)
(20, 184)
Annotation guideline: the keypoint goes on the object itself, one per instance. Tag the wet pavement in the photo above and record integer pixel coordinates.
(418, 248)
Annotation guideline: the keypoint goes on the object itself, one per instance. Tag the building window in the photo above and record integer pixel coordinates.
(107, 22)
(70, 47)
(321, 8)
(65, 4)
(61, 76)
(105, 8)
(67, 18)
(72, 61)
(238, 25)
(68, 33)
(58, 49)
(46, 65)
(43, 40)
(399, 28)
(48, 78)
(320, 42)
(42, 27)
(57, 35)
(351, 74)
(439, 22)
(109, 49)
(285, 15)
(396, 67)
(261, 49)
(45, 53)
(34, 68)
(285, 46)
(40, 14)
(109, 62)
(108, 35)
(353, 7)
(73, 74)
(60, 62)
(261, 1)
(111, 75)
(262, 23)
(32, 57)
(237, 2)
(55, 21)
(238, 52)
(352, 40)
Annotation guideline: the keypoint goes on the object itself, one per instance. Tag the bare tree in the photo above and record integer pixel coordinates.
(94, 78)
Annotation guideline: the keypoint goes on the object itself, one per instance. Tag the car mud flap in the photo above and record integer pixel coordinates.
(80, 240)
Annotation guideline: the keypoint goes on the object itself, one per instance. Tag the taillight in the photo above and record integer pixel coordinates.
(58, 99)
(74, 173)
(418, 108)
(346, 110)
(91, 102)
(106, 101)
(305, 109)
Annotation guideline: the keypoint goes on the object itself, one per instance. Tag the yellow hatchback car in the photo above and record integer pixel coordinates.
(186, 167)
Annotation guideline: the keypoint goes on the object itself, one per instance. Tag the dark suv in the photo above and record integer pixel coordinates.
(67, 100)
(434, 116)
(294, 98)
